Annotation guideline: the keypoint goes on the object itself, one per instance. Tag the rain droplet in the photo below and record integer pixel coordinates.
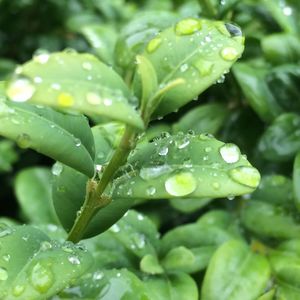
(5, 230)
(98, 275)
(77, 142)
(74, 260)
(154, 44)
(93, 98)
(287, 11)
(45, 245)
(151, 190)
(65, 100)
(183, 67)
(188, 26)
(18, 290)
(115, 228)
(154, 172)
(229, 53)
(6, 257)
(55, 86)
(3, 274)
(87, 66)
(233, 30)
(247, 176)
(183, 142)
(140, 217)
(207, 149)
(41, 58)
(230, 153)
(107, 102)
(23, 140)
(57, 169)
(38, 79)
(20, 90)
(181, 184)
(41, 278)
(163, 151)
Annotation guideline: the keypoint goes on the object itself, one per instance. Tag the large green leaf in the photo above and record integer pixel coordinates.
(74, 81)
(61, 136)
(196, 50)
(233, 272)
(192, 166)
(33, 191)
(33, 267)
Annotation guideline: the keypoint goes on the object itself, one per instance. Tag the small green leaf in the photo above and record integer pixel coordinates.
(192, 166)
(74, 81)
(189, 205)
(233, 272)
(296, 180)
(204, 118)
(33, 191)
(150, 265)
(61, 136)
(8, 155)
(280, 141)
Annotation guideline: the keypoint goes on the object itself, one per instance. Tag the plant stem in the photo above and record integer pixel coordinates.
(94, 199)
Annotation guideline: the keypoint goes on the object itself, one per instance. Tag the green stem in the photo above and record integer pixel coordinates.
(94, 199)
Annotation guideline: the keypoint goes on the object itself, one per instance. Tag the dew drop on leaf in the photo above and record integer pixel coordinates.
(41, 278)
(93, 98)
(65, 100)
(77, 142)
(183, 67)
(6, 257)
(5, 230)
(115, 228)
(181, 184)
(45, 245)
(229, 53)
(41, 57)
(163, 151)
(188, 26)
(107, 102)
(151, 190)
(23, 140)
(20, 90)
(18, 290)
(74, 260)
(230, 153)
(87, 66)
(247, 176)
(154, 44)
(3, 274)
(57, 169)
(55, 86)
(98, 275)
(233, 30)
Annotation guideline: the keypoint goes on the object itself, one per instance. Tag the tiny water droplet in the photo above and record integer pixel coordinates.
(57, 169)
(77, 142)
(38, 79)
(151, 190)
(183, 142)
(18, 290)
(181, 184)
(45, 245)
(115, 228)
(230, 197)
(87, 66)
(163, 151)
(230, 153)
(154, 172)
(140, 217)
(74, 260)
(6, 257)
(41, 278)
(154, 44)
(247, 176)
(55, 86)
(184, 67)
(107, 102)
(207, 149)
(3, 274)
(188, 26)
(229, 53)
(93, 98)
(20, 90)
(65, 100)
(216, 185)
(23, 140)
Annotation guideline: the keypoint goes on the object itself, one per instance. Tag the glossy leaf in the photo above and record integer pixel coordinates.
(296, 180)
(63, 137)
(280, 141)
(149, 264)
(192, 166)
(33, 191)
(233, 272)
(8, 155)
(204, 118)
(189, 205)
(260, 217)
(84, 84)
(199, 58)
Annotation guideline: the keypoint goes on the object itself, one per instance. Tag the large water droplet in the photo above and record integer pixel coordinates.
(65, 100)
(188, 26)
(229, 53)
(233, 30)
(41, 278)
(74, 260)
(5, 230)
(247, 176)
(23, 140)
(230, 153)
(163, 151)
(3, 274)
(77, 142)
(154, 44)
(20, 90)
(41, 57)
(154, 172)
(57, 169)
(98, 275)
(18, 290)
(181, 184)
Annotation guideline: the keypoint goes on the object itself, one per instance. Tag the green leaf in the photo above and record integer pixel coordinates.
(204, 118)
(74, 81)
(280, 48)
(192, 166)
(233, 272)
(280, 141)
(296, 180)
(8, 155)
(176, 286)
(268, 295)
(189, 205)
(149, 264)
(61, 136)
(38, 268)
(260, 217)
(196, 50)
(33, 191)
(252, 81)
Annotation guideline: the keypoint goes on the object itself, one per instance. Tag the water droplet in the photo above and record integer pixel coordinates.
(115, 228)
(230, 197)
(45, 245)
(5, 230)
(20, 90)
(77, 142)
(207, 149)
(188, 26)
(23, 140)
(183, 67)
(151, 190)
(98, 168)
(163, 151)
(230, 153)
(93, 98)
(65, 100)
(57, 169)
(247, 176)
(139, 241)
(41, 278)
(229, 53)
(6, 257)
(208, 39)
(154, 172)
(182, 142)
(74, 260)
(181, 184)
(3, 274)
(107, 102)
(98, 275)
(38, 79)
(287, 11)
(41, 58)
(87, 66)
(154, 44)
(55, 86)
(140, 217)
(221, 79)
(18, 290)
(233, 30)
